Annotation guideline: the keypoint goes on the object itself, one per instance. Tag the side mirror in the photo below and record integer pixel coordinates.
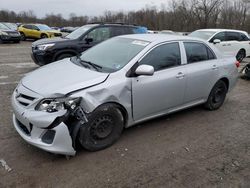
(146, 70)
(88, 40)
(216, 41)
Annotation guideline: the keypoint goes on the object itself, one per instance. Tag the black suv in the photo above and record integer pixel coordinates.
(45, 51)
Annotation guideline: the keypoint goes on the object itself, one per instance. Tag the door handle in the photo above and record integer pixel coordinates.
(180, 75)
(229, 45)
(214, 67)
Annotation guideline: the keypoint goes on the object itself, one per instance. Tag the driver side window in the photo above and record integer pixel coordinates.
(35, 27)
(164, 56)
(99, 34)
(221, 36)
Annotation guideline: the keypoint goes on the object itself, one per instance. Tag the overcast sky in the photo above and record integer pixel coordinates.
(79, 7)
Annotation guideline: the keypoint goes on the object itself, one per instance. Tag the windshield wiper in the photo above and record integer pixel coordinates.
(95, 66)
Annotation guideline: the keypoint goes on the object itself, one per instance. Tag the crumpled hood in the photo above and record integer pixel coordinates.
(61, 77)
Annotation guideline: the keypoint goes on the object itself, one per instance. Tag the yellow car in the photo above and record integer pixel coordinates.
(37, 31)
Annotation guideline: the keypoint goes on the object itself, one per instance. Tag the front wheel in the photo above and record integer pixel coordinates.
(104, 127)
(217, 96)
(44, 36)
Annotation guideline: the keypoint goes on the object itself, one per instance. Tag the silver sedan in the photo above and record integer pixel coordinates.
(117, 84)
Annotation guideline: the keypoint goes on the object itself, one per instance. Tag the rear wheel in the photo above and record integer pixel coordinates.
(104, 127)
(217, 96)
(241, 55)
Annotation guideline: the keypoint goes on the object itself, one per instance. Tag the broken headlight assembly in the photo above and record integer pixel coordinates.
(57, 104)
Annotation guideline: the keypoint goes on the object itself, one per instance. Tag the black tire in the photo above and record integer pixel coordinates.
(23, 37)
(104, 127)
(245, 72)
(44, 36)
(217, 96)
(63, 56)
(17, 41)
(1, 42)
(241, 55)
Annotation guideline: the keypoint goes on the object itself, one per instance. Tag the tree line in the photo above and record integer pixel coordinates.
(177, 15)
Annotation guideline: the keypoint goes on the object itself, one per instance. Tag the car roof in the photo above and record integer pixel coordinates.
(219, 30)
(113, 24)
(160, 37)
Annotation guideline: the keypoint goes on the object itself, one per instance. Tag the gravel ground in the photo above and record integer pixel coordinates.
(192, 148)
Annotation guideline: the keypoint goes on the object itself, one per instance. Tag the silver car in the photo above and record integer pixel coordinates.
(116, 84)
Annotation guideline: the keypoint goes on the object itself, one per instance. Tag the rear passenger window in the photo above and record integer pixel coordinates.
(27, 26)
(164, 56)
(116, 31)
(232, 36)
(243, 37)
(197, 52)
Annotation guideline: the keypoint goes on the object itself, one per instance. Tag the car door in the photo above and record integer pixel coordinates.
(202, 71)
(94, 37)
(223, 45)
(154, 95)
(232, 43)
(36, 33)
(28, 30)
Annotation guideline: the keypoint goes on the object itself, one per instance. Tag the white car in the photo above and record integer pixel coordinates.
(231, 42)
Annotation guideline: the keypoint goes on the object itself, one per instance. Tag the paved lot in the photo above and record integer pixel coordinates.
(192, 148)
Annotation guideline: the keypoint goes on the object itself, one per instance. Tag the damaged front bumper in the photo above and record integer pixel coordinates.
(56, 140)
(47, 131)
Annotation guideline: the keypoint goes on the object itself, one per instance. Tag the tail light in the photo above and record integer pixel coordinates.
(237, 63)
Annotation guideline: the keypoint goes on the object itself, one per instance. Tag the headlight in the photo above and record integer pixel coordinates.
(45, 46)
(3, 33)
(57, 104)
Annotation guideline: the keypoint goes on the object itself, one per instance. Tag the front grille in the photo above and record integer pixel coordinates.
(13, 33)
(24, 100)
(27, 97)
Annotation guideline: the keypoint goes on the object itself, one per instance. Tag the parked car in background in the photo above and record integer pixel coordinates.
(8, 35)
(12, 26)
(48, 50)
(37, 31)
(117, 84)
(68, 29)
(55, 28)
(168, 32)
(231, 42)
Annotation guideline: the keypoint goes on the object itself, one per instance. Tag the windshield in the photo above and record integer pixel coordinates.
(11, 26)
(44, 27)
(78, 32)
(114, 53)
(202, 34)
(3, 27)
